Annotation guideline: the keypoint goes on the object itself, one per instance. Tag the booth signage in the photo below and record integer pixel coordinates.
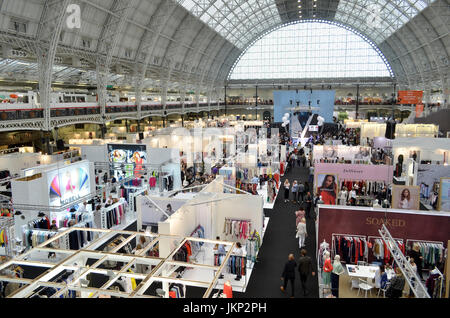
(68, 184)
(360, 221)
(133, 156)
(355, 171)
(410, 97)
(313, 127)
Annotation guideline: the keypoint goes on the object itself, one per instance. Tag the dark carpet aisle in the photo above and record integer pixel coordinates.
(279, 242)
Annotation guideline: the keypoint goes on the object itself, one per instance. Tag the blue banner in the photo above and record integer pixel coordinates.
(323, 99)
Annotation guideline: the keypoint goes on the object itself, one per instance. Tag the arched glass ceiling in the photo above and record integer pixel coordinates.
(316, 49)
(238, 21)
(384, 16)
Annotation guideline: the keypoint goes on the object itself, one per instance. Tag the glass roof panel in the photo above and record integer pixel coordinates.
(311, 50)
(385, 16)
(234, 15)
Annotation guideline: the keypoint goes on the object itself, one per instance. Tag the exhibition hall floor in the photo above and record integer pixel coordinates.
(279, 242)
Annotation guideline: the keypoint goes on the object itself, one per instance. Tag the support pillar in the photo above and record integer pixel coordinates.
(357, 101)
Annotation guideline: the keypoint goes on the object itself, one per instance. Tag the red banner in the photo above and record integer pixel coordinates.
(410, 97)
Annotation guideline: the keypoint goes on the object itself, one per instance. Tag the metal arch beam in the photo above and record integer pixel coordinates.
(107, 44)
(416, 31)
(47, 38)
(397, 41)
(225, 68)
(192, 58)
(172, 50)
(444, 77)
(159, 19)
(218, 51)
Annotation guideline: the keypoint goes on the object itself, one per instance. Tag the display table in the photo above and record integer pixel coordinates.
(359, 271)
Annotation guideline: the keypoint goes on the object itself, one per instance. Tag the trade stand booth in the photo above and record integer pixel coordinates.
(354, 234)
(116, 264)
(367, 182)
(341, 154)
(209, 214)
(159, 167)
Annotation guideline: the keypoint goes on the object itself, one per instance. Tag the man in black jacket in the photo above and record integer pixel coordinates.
(289, 274)
(305, 267)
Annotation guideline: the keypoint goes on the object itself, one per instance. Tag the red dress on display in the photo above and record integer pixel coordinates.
(327, 197)
(228, 290)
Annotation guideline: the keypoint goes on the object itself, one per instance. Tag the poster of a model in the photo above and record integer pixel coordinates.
(68, 184)
(133, 156)
(444, 195)
(406, 197)
(327, 187)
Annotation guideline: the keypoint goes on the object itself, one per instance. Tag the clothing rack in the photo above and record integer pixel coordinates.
(439, 244)
(431, 282)
(104, 211)
(397, 240)
(7, 235)
(45, 235)
(351, 237)
(244, 229)
(198, 232)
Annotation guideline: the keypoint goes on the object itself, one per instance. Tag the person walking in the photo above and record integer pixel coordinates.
(294, 159)
(301, 232)
(305, 268)
(301, 191)
(286, 190)
(289, 274)
(294, 192)
(308, 200)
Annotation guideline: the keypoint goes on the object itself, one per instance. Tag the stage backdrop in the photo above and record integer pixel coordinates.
(415, 225)
(324, 99)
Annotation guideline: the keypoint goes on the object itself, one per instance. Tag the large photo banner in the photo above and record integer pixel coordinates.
(406, 197)
(132, 156)
(68, 184)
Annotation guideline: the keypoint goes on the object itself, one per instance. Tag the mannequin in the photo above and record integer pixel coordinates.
(327, 268)
(227, 290)
(343, 196)
(399, 166)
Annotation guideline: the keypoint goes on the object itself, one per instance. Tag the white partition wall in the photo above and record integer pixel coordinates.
(239, 207)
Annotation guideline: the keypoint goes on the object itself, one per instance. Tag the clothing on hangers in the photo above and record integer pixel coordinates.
(237, 228)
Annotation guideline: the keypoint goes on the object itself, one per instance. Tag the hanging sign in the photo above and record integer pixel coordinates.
(409, 97)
